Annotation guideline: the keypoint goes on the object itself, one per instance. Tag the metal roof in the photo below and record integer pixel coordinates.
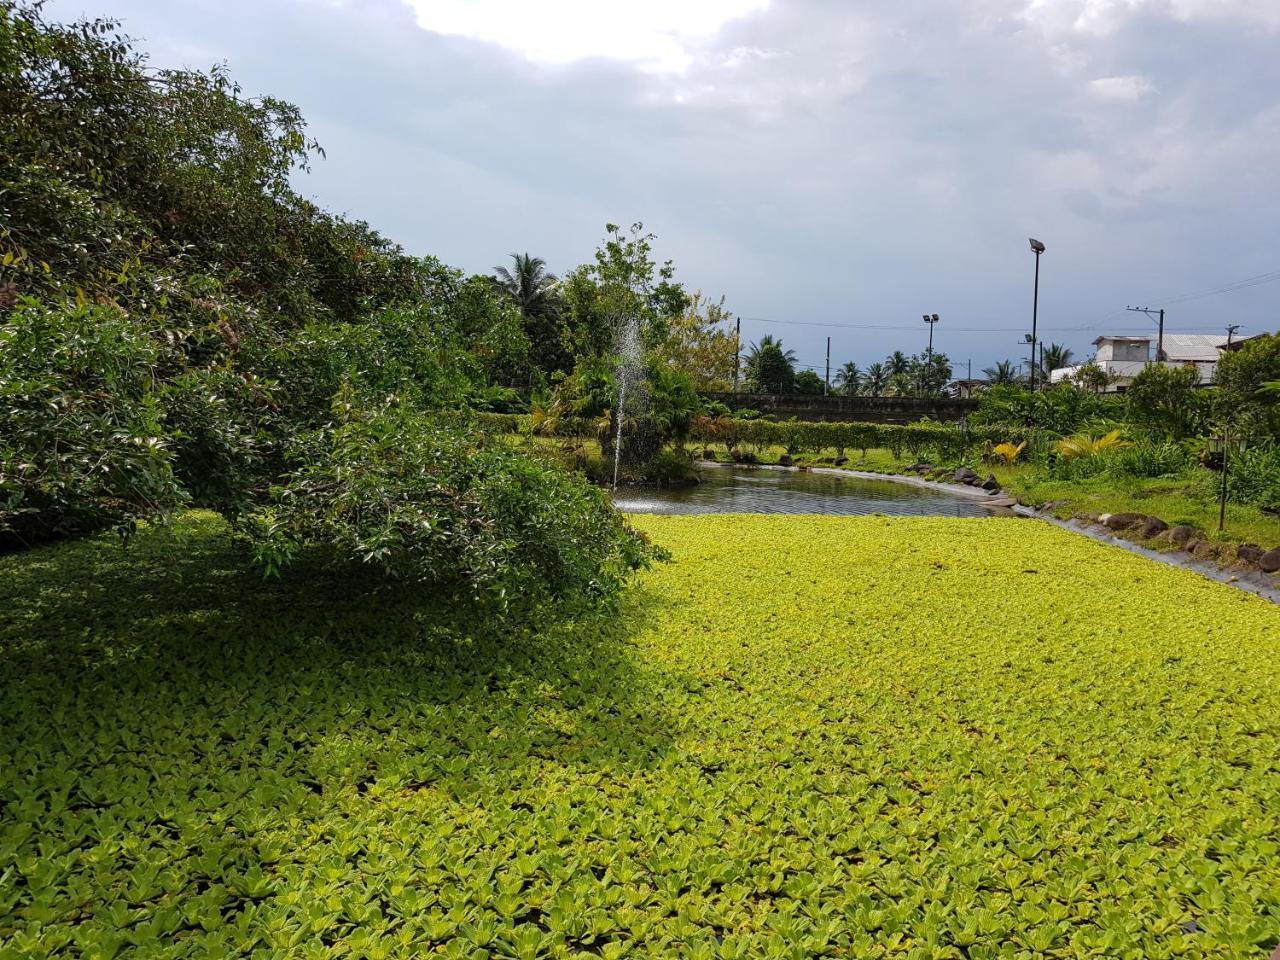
(1192, 346)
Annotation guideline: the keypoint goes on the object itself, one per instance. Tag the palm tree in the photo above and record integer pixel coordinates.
(535, 292)
(875, 379)
(1054, 357)
(848, 378)
(897, 363)
(1002, 374)
(765, 343)
(529, 284)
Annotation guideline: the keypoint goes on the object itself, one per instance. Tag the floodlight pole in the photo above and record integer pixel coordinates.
(826, 384)
(737, 349)
(1037, 248)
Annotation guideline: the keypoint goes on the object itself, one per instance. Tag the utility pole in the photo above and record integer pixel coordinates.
(737, 350)
(1158, 316)
(826, 384)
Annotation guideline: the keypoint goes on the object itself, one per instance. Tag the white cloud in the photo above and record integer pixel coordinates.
(1129, 89)
(660, 35)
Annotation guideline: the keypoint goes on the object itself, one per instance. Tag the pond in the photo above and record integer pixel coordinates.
(761, 490)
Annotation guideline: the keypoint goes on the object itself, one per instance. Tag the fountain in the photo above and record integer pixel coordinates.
(632, 394)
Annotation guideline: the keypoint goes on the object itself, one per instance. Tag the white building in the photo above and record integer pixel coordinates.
(1123, 358)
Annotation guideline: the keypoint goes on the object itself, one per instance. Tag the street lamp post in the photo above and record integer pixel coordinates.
(930, 319)
(1037, 248)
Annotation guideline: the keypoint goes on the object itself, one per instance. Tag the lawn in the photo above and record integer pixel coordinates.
(844, 737)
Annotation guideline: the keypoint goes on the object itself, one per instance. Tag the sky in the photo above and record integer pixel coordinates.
(833, 168)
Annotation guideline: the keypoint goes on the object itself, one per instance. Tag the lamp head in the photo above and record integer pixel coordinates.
(1037, 246)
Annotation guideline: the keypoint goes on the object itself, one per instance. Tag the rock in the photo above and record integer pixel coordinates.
(1269, 562)
(991, 483)
(708, 454)
(921, 467)
(964, 475)
(1250, 553)
(1051, 505)
(841, 461)
(785, 460)
(1151, 527)
(1204, 550)
(1121, 521)
(1181, 534)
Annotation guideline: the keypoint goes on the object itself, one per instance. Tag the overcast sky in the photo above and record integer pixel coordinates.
(851, 162)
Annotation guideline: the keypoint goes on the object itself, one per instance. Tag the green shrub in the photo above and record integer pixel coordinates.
(1149, 459)
(82, 439)
(423, 499)
(1254, 476)
(1168, 402)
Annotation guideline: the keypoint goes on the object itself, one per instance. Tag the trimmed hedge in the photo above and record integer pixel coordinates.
(945, 441)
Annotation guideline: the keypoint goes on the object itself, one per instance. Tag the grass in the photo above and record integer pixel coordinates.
(843, 737)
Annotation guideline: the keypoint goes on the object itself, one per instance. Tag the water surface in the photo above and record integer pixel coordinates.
(746, 490)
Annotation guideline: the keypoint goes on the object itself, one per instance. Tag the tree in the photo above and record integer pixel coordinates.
(930, 372)
(1242, 397)
(848, 379)
(808, 383)
(535, 291)
(1003, 374)
(897, 363)
(1054, 357)
(770, 369)
(1167, 401)
(701, 343)
(621, 285)
(1092, 377)
(179, 326)
(875, 380)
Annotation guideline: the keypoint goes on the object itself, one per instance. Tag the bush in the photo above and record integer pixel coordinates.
(423, 500)
(1254, 476)
(1163, 459)
(82, 440)
(1241, 397)
(1168, 402)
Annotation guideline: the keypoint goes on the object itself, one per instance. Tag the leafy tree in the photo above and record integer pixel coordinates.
(876, 380)
(1167, 401)
(848, 379)
(1243, 398)
(701, 343)
(1091, 376)
(930, 372)
(535, 291)
(1003, 374)
(809, 383)
(623, 283)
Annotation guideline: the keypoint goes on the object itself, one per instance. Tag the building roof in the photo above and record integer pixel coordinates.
(1198, 347)
(1192, 346)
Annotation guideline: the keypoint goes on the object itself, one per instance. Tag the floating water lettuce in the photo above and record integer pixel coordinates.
(843, 737)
